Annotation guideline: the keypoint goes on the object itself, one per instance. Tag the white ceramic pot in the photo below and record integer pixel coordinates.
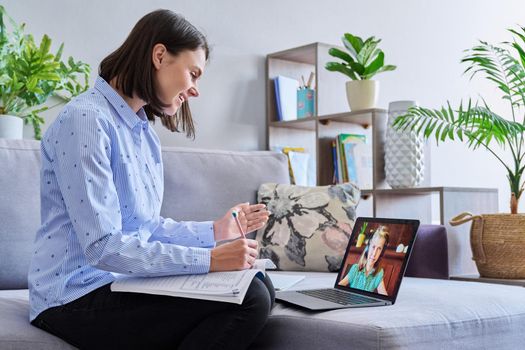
(362, 94)
(11, 127)
(404, 151)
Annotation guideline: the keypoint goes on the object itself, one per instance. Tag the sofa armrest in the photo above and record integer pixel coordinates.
(429, 258)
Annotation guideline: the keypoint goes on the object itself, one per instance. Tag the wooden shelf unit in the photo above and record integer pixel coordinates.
(331, 115)
(431, 205)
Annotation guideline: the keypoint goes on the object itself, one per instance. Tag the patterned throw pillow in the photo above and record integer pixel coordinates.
(309, 227)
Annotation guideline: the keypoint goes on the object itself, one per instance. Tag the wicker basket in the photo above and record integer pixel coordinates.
(497, 242)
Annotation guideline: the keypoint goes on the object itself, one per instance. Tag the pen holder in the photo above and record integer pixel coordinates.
(305, 103)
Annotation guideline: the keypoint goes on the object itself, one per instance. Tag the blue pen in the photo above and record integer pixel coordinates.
(236, 217)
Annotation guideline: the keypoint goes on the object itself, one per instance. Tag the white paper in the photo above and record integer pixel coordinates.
(299, 163)
(263, 264)
(228, 286)
(282, 281)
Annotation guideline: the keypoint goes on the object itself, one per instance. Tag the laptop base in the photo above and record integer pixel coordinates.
(313, 303)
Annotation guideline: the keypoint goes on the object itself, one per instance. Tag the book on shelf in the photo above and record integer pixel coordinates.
(298, 164)
(286, 97)
(338, 160)
(352, 160)
(225, 286)
(348, 143)
(334, 159)
(350, 164)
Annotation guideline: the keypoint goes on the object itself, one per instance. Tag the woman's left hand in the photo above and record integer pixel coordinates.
(251, 217)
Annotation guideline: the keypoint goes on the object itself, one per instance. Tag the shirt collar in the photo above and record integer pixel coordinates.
(131, 119)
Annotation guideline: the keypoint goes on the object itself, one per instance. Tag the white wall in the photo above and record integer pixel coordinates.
(424, 38)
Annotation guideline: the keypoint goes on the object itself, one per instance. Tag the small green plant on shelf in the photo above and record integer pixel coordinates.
(363, 59)
(476, 122)
(30, 74)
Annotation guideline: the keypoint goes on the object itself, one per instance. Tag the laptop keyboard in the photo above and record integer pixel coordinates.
(337, 296)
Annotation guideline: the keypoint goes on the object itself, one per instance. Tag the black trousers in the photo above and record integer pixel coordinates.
(104, 319)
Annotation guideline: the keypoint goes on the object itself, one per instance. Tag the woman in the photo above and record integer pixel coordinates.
(101, 194)
(367, 274)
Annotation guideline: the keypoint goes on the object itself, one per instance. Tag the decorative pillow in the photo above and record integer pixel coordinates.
(309, 227)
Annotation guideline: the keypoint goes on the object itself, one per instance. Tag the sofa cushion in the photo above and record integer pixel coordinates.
(309, 227)
(19, 209)
(429, 257)
(15, 330)
(199, 185)
(428, 314)
(203, 184)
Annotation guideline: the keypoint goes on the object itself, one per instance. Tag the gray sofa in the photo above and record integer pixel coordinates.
(431, 312)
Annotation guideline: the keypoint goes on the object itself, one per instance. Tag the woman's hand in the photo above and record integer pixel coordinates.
(236, 255)
(251, 218)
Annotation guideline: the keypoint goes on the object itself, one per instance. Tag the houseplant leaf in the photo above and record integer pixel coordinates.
(30, 74)
(363, 59)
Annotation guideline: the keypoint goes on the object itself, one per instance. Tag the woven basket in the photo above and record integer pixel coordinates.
(497, 242)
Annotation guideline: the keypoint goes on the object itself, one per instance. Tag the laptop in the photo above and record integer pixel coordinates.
(371, 271)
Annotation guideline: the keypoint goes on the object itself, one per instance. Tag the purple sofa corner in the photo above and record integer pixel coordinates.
(429, 258)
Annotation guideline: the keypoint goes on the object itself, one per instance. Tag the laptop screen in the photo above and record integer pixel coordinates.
(376, 256)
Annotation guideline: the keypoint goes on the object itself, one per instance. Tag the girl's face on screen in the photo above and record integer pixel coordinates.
(376, 247)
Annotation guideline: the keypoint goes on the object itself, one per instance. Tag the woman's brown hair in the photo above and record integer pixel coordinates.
(132, 63)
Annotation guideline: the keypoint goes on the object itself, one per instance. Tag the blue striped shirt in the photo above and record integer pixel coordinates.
(101, 194)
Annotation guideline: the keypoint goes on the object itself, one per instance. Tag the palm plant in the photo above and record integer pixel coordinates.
(363, 59)
(475, 122)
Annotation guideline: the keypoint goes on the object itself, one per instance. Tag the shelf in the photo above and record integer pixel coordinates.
(302, 54)
(477, 278)
(363, 117)
(426, 190)
(429, 204)
(303, 124)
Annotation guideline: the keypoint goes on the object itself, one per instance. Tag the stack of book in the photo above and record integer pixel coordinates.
(352, 159)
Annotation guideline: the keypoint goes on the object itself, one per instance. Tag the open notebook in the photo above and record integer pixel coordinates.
(226, 286)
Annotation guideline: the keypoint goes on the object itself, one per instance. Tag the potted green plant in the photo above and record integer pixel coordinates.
(30, 75)
(362, 61)
(497, 240)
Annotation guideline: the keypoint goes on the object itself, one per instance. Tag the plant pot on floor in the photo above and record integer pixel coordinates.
(11, 127)
(362, 94)
(497, 242)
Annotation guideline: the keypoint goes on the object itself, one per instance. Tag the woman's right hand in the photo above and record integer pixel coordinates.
(236, 255)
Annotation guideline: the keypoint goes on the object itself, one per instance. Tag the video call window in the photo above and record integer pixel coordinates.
(375, 258)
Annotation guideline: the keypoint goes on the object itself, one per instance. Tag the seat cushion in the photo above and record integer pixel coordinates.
(428, 314)
(19, 209)
(15, 330)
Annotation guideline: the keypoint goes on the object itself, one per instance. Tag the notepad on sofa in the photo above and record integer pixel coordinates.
(284, 281)
(226, 286)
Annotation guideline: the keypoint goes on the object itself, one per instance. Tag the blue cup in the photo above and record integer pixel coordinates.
(305, 103)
